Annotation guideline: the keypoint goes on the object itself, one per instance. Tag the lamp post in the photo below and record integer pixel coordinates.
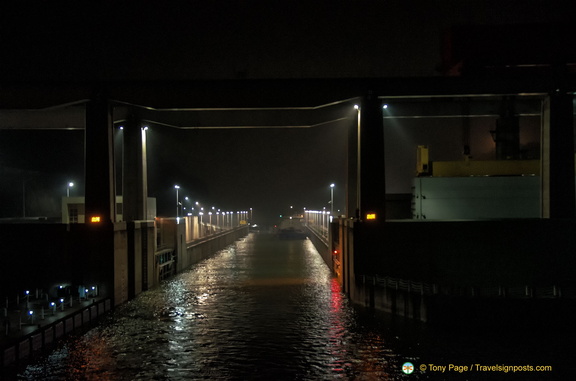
(331, 198)
(70, 185)
(176, 187)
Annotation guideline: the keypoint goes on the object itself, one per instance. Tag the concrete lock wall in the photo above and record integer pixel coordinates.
(194, 252)
(322, 248)
(35, 256)
(121, 266)
(443, 271)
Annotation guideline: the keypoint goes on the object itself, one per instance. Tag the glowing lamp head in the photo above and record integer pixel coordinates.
(95, 219)
(371, 216)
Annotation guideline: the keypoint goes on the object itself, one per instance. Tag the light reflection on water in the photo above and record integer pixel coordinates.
(261, 309)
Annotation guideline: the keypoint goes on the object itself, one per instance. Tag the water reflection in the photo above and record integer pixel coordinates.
(262, 309)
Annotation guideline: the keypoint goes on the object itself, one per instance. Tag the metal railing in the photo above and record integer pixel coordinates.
(513, 292)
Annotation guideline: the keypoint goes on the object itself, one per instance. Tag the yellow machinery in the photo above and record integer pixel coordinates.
(467, 167)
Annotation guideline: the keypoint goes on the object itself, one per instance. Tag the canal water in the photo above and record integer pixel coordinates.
(265, 309)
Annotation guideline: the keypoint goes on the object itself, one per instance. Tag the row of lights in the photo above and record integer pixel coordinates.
(332, 186)
(201, 210)
(93, 292)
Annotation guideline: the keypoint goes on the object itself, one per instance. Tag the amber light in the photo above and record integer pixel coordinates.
(371, 216)
(95, 219)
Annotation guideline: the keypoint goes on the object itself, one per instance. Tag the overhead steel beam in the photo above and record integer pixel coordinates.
(73, 117)
(295, 103)
(467, 107)
(270, 93)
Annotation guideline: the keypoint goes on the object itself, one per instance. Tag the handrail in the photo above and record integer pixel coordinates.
(512, 292)
(320, 237)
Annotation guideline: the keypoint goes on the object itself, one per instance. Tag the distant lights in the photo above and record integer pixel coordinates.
(385, 106)
(356, 107)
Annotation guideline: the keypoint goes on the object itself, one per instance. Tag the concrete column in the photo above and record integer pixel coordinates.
(135, 178)
(557, 157)
(352, 191)
(99, 151)
(372, 189)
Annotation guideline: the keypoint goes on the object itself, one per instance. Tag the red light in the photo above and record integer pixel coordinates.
(335, 252)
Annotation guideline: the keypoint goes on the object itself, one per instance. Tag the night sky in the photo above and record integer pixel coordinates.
(268, 170)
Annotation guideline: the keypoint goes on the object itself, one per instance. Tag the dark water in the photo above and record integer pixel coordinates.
(266, 309)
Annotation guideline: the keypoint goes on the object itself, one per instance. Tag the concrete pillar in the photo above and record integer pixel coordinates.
(372, 189)
(135, 178)
(557, 157)
(99, 245)
(352, 184)
(99, 151)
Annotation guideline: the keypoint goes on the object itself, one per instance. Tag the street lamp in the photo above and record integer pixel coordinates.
(177, 187)
(70, 185)
(332, 198)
